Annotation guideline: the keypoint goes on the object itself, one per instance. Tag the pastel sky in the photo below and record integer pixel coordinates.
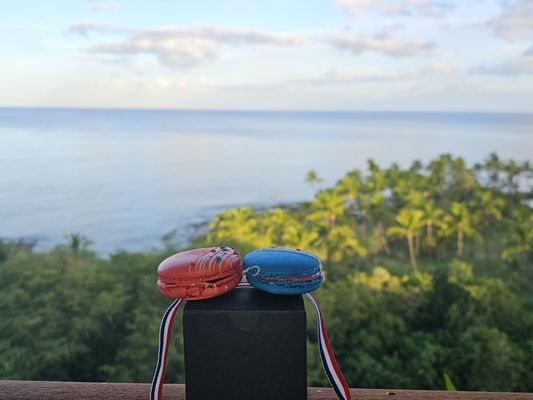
(395, 55)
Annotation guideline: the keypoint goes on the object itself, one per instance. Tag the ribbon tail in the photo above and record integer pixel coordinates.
(165, 333)
(329, 363)
(244, 282)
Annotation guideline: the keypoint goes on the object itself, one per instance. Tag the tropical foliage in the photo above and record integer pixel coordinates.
(429, 282)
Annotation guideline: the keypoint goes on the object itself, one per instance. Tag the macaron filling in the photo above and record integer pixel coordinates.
(309, 282)
(288, 279)
(212, 280)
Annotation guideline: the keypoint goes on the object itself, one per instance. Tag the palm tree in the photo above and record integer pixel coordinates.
(375, 185)
(312, 178)
(505, 175)
(461, 223)
(493, 166)
(342, 241)
(464, 179)
(513, 171)
(326, 210)
(415, 199)
(488, 205)
(372, 201)
(520, 240)
(327, 207)
(410, 222)
(276, 222)
(242, 225)
(77, 242)
(488, 209)
(283, 228)
(439, 174)
(432, 217)
(349, 188)
(350, 185)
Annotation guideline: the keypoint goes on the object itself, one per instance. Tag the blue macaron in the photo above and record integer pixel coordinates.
(283, 271)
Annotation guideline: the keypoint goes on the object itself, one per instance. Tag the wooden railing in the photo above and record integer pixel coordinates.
(32, 390)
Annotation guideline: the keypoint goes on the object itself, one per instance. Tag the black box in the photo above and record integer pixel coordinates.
(245, 344)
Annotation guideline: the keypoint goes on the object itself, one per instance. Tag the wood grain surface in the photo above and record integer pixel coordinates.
(32, 390)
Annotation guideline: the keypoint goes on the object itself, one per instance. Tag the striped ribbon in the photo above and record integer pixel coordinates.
(329, 363)
(165, 332)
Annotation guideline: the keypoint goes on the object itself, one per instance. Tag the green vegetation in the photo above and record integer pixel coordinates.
(429, 282)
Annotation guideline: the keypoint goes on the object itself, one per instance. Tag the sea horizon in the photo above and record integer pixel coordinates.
(261, 110)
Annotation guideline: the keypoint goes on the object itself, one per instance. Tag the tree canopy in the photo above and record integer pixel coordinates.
(428, 282)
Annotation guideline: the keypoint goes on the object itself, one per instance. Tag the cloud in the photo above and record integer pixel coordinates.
(522, 65)
(114, 83)
(344, 77)
(340, 77)
(442, 67)
(177, 53)
(207, 82)
(519, 66)
(515, 20)
(384, 44)
(84, 28)
(163, 83)
(179, 47)
(357, 8)
(108, 61)
(426, 8)
(103, 6)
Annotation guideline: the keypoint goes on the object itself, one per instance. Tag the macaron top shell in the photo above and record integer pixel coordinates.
(199, 273)
(283, 271)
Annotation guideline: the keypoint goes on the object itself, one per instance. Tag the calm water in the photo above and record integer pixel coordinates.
(125, 178)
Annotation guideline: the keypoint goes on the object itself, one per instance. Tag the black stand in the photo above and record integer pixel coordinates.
(245, 345)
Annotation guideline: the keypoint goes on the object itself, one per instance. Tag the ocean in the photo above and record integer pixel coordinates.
(125, 178)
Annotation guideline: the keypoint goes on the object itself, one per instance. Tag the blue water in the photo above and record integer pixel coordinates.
(124, 178)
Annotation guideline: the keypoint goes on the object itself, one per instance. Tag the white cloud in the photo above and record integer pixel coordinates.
(344, 77)
(164, 83)
(357, 7)
(515, 20)
(426, 8)
(518, 66)
(103, 6)
(179, 47)
(384, 44)
(114, 83)
(207, 82)
(442, 67)
(429, 8)
(84, 28)
(108, 61)
(178, 53)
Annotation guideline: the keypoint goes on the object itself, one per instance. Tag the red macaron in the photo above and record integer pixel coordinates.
(200, 273)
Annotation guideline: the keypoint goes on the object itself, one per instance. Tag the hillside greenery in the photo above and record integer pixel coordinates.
(429, 271)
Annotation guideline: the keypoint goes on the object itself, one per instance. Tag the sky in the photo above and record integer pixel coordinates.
(368, 55)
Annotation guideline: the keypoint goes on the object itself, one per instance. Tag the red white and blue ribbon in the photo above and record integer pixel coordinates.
(329, 363)
(165, 332)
